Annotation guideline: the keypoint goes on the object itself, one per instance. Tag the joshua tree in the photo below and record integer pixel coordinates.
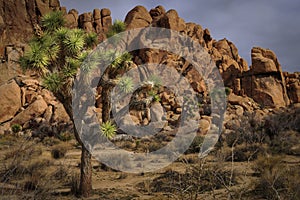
(56, 55)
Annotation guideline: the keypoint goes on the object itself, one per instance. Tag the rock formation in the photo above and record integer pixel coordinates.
(255, 91)
(20, 19)
(264, 82)
(25, 102)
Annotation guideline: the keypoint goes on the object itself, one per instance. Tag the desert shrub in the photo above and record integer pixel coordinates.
(59, 151)
(276, 179)
(195, 146)
(283, 142)
(154, 146)
(293, 183)
(32, 182)
(65, 136)
(36, 166)
(283, 121)
(7, 140)
(233, 139)
(126, 145)
(16, 128)
(50, 141)
(15, 161)
(60, 173)
(242, 153)
(74, 183)
(196, 180)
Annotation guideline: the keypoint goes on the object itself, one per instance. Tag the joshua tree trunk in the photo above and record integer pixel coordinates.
(106, 102)
(85, 186)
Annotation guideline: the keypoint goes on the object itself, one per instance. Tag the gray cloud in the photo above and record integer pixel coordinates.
(269, 24)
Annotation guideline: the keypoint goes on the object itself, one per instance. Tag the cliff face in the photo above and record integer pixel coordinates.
(19, 20)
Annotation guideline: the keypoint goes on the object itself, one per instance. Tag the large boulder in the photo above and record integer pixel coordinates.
(294, 92)
(264, 82)
(10, 101)
(264, 61)
(226, 47)
(157, 12)
(86, 22)
(34, 110)
(138, 17)
(72, 19)
(171, 20)
(43, 6)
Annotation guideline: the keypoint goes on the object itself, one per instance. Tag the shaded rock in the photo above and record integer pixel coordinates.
(138, 17)
(196, 32)
(48, 113)
(171, 20)
(72, 19)
(157, 12)
(97, 14)
(105, 12)
(106, 23)
(245, 102)
(265, 90)
(42, 6)
(85, 22)
(85, 17)
(294, 92)
(60, 114)
(156, 112)
(54, 3)
(34, 110)
(10, 101)
(293, 86)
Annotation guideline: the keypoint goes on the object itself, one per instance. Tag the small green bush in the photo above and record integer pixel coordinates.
(16, 128)
(195, 146)
(227, 91)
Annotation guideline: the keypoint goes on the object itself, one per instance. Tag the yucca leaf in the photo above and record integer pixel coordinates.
(53, 82)
(53, 20)
(126, 84)
(108, 129)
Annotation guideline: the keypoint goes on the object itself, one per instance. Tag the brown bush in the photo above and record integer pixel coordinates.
(59, 151)
(276, 179)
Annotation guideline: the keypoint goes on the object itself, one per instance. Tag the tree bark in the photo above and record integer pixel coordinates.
(85, 187)
(106, 102)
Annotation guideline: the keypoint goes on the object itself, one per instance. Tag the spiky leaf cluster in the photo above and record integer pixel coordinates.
(57, 54)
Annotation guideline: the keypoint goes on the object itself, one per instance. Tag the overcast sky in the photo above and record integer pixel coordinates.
(273, 24)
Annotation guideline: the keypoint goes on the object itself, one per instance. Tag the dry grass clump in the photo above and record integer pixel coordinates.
(276, 180)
